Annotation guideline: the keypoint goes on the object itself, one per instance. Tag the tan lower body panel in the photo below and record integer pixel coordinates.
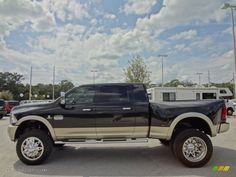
(159, 132)
(112, 132)
(64, 133)
(115, 132)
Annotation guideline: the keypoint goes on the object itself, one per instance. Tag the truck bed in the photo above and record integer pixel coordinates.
(170, 110)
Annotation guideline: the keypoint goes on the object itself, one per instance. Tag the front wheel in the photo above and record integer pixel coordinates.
(193, 148)
(34, 147)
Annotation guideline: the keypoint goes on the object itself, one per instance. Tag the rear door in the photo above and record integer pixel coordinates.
(140, 105)
(115, 116)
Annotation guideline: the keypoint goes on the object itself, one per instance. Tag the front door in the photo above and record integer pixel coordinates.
(76, 118)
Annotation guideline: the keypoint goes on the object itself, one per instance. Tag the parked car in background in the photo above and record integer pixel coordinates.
(9, 105)
(2, 110)
(34, 101)
(231, 106)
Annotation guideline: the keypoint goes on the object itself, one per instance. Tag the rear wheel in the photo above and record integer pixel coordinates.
(34, 147)
(1, 116)
(193, 148)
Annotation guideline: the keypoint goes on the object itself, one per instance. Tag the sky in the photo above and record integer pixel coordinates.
(77, 36)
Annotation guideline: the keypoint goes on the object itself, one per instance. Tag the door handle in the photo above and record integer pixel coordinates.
(87, 110)
(126, 108)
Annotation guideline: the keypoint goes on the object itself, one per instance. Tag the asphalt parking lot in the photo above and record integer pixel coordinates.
(150, 159)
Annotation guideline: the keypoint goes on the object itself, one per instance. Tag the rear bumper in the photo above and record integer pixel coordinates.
(11, 130)
(224, 127)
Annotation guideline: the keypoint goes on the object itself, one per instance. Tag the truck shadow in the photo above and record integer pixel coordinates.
(124, 161)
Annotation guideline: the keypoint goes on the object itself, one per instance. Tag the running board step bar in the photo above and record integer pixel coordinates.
(102, 141)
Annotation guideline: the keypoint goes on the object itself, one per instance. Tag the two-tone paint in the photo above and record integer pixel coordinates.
(129, 120)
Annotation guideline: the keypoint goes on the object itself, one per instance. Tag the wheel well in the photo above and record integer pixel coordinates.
(31, 125)
(194, 123)
(230, 108)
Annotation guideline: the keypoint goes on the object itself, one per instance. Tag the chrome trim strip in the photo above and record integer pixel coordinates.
(106, 141)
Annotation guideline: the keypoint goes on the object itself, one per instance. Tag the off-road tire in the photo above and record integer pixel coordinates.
(179, 143)
(43, 137)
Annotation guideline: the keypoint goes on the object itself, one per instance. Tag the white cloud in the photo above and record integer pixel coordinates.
(75, 49)
(67, 9)
(139, 6)
(186, 35)
(182, 47)
(109, 16)
(182, 12)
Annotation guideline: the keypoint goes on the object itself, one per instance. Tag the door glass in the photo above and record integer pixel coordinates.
(112, 94)
(79, 95)
(140, 94)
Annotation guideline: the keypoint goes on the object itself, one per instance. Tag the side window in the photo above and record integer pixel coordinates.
(140, 94)
(223, 91)
(208, 96)
(84, 94)
(169, 96)
(112, 94)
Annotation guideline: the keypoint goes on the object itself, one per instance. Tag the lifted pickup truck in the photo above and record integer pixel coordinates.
(117, 113)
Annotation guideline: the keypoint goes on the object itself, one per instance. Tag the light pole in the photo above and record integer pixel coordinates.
(94, 72)
(30, 87)
(199, 78)
(162, 68)
(53, 83)
(232, 8)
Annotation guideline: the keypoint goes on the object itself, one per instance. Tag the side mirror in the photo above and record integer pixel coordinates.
(63, 99)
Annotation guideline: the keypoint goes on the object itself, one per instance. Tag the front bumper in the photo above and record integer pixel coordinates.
(11, 130)
(224, 127)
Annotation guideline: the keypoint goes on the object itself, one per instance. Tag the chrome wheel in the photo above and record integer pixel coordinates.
(194, 149)
(32, 148)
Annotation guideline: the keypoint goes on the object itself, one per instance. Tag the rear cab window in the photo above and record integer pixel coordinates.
(139, 93)
(115, 94)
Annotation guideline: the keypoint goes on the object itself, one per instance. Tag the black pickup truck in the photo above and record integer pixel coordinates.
(117, 113)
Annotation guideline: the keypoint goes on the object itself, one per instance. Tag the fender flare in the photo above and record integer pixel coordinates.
(191, 115)
(40, 119)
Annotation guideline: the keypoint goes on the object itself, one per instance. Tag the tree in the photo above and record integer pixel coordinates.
(6, 95)
(176, 83)
(137, 71)
(66, 85)
(12, 83)
(172, 83)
